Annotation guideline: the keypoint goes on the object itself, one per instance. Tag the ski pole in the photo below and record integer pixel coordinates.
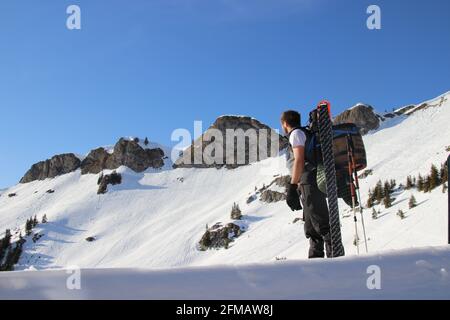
(358, 194)
(448, 195)
(361, 212)
(352, 190)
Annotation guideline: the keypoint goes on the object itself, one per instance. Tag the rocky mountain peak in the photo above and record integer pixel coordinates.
(362, 115)
(265, 136)
(50, 168)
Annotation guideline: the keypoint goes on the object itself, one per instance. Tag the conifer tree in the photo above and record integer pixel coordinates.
(412, 202)
(44, 219)
(434, 179)
(387, 200)
(28, 227)
(420, 183)
(443, 174)
(392, 185)
(409, 183)
(378, 192)
(35, 221)
(146, 141)
(426, 184)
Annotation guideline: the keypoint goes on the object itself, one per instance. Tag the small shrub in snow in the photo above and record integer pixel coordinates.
(401, 214)
(374, 214)
(236, 213)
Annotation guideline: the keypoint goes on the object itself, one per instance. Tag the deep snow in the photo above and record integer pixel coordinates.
(410, 274)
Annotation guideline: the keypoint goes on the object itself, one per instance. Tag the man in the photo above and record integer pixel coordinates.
(303, 181)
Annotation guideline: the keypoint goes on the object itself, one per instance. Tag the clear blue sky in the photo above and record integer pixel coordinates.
(144, 68)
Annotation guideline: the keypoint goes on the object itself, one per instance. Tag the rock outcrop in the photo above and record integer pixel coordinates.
(104, 180)
(270, 196)
(129, 153)
(95, 161)
(258, 141)
(219, 236)
(126, 153)
(50, 168)
(361, 115)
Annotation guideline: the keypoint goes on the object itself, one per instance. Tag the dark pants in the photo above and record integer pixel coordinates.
(315, 215)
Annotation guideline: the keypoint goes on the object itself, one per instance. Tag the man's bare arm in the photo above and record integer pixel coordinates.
(299, 164)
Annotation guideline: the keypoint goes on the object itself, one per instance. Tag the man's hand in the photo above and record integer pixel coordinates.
(293, 197)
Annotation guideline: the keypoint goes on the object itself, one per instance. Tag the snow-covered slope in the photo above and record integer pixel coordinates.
(408, 274)
(155, 218)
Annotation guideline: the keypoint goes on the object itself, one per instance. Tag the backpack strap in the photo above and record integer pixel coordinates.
(296, 128)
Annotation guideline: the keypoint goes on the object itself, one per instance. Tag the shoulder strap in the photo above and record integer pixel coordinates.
(296, 128)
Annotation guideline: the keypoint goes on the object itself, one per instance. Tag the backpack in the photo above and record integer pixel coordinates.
(343, 135)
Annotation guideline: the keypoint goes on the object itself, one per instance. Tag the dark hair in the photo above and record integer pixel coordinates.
(291, 117)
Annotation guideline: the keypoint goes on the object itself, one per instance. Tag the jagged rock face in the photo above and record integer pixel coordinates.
(219, 236)
(131, 154)
(228, 126)
(361, 115)
(126, 153)
(270, 196)
(95, 162)
(50, 168)
(104, 180)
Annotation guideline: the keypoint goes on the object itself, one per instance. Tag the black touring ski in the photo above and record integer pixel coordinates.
(326, 142)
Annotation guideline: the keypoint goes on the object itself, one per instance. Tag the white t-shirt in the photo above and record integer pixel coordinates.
(297, 138)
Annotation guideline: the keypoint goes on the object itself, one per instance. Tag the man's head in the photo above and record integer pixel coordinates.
(289, 120)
